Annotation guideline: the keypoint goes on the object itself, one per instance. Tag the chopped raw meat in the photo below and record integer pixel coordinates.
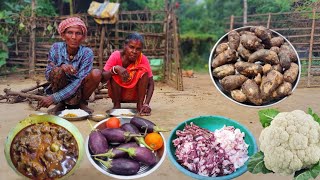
(210, 153)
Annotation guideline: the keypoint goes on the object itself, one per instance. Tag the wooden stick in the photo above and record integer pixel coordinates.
(100, 96)
(3, 97)
(269, 20)
(231, 22)
(100, 55)
(25, 95)
(103, 91)
(311, 46)
(35, 87)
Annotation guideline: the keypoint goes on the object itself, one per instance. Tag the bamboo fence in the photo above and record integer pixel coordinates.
(29, 50)
(302, 29)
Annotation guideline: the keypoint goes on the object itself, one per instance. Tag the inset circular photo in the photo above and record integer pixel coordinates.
(254, 66)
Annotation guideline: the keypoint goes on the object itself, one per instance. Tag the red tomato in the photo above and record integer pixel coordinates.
(113, 122)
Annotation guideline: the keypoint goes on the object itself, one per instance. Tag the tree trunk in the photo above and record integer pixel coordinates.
(245, 10)
(60, 5)
(32, 53)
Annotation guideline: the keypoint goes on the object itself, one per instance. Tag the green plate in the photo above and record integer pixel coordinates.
(39, 119)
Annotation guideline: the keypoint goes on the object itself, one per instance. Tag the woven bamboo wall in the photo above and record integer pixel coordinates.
(144, 22)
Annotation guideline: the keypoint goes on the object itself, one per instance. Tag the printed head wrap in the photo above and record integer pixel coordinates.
(73, 21)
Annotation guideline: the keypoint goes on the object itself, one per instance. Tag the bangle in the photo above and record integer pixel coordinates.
(113, 70)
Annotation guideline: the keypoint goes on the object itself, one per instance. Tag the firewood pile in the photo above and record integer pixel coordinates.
(33, 94)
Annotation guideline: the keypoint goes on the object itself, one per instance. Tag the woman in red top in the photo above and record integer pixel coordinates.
(129, 75)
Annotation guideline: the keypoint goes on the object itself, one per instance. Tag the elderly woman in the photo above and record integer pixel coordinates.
(129, 75)
(69, 70)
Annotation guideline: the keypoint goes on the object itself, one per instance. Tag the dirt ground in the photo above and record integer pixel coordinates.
(169, 108)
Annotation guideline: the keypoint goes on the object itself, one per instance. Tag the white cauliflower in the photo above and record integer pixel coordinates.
(291, 142)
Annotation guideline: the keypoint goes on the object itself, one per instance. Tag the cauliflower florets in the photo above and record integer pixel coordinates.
(291, 142)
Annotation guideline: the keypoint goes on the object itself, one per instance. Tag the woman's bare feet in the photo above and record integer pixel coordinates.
(116, 105)
(59, 107)
(84, 106)
(145, 110)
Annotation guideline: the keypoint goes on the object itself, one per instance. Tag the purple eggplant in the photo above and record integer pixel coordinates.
(146, 125)
(133, 129)
(97, 142)
(141, 154)
(116, 153)
(121, 166)
(130, 128)
(117, 135)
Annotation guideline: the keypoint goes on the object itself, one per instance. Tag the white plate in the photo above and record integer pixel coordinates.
(81, 114)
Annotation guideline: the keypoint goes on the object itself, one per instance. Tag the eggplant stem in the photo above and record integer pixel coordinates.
(105, 163)
(107, 154)
(131, 151)
(140, 140)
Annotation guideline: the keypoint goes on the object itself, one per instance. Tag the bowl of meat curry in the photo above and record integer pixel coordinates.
(44, 147)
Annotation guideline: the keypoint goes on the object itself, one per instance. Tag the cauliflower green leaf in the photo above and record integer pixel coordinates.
(266, 116)
(314, 115)
(256, 164)
(306, 174)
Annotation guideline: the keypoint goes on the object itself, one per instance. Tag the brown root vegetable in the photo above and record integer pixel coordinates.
(234, 39)
(291, 53)
(221, 47)
(291, 74)
(264, 34)
(224, 58)
(223, 71)
(258, 79)
(270, 83)
(251, 42)
(254, 66)
(246, 32)
(243, 52)
(275, 49)
(238, 95)
(269, 57)
(252, 91)
(277, 68)
(233, 82)
(248, 69)
(266, 68)
(283, 90)
(277, 41)
(284, 59)
(261, 32)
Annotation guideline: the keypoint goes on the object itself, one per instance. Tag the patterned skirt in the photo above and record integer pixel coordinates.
(59, 80)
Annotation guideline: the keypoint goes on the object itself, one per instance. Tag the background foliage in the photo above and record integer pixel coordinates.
(15, 13)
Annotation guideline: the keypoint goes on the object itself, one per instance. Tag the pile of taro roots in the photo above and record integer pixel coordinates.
(255, 66)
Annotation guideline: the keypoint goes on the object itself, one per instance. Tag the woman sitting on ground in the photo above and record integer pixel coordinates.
(129, 75)
(69, 70)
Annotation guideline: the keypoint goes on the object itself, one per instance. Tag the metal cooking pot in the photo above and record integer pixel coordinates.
(39, 119)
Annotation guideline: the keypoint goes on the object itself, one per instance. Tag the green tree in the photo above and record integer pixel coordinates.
(201, 24)
(14, 19)
(133, 5)
(269, 6)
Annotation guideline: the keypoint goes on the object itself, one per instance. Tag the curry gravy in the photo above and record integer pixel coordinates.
(44, 151)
